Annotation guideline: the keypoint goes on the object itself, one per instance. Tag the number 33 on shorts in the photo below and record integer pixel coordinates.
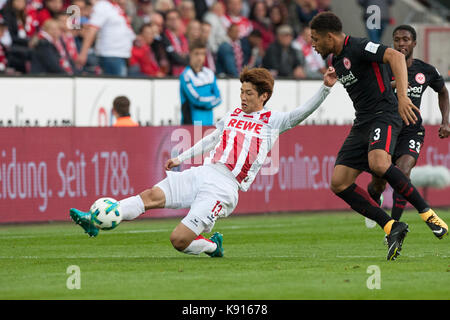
(414, 146)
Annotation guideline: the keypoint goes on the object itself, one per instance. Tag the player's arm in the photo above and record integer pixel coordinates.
(397, 62)
(444, 130)
(204, 145)
(294, 117)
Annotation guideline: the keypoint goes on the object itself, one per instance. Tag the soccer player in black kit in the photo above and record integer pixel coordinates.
(420, 76)
(359, 65)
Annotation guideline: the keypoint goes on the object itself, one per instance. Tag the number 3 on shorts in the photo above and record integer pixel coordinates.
(377, 134)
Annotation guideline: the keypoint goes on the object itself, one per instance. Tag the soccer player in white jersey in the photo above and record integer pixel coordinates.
(238, 148)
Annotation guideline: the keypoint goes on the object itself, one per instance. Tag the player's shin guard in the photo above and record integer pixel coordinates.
(199, 245)
(398, 206)
(403, 186)
(360, 201)
(131, 207)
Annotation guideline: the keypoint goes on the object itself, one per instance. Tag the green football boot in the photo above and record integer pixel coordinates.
(84, 220)
(217, 238)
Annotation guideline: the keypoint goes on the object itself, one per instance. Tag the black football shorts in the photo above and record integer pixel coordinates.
(410, 142)
(380, 133)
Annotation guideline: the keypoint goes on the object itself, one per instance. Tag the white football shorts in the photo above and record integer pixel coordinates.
(208, 192)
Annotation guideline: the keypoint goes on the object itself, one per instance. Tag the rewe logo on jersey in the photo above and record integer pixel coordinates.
(245, 125)
(347, 79)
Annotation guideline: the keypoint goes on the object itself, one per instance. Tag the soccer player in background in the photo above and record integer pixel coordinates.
(238, 148)
(371, 141)
(421, 75)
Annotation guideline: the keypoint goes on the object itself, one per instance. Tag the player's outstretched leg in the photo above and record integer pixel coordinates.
(84, 220)
(360, 201)
(130, 208)
(403, 186)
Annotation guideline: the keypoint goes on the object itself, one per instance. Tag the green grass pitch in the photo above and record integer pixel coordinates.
(273, 256)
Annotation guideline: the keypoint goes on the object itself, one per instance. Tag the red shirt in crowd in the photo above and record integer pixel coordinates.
(143, 56)
(266, 33)
(245, 25)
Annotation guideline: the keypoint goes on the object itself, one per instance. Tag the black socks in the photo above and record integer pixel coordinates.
(402, 186)
(360, 201)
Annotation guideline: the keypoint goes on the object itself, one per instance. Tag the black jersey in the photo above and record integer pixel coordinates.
(421, 75)
(361, 71)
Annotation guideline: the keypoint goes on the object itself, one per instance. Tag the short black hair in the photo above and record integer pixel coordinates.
(255, 33)
(406, 27)
(326, 22)
(121, 105)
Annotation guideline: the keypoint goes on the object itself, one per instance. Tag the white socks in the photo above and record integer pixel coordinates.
(131, 207)
(199, 245)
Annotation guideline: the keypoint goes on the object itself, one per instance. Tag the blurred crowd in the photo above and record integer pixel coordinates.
(150, 38)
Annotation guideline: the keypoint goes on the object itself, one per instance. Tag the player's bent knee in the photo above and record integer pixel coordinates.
(379, 167)
(178, 242)
(337, 186)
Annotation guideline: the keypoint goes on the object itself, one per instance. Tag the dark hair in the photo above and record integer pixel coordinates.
(197, 44)
(260, 78)
(406, 27)
(9, 8)
(121, 105)
(326, 22)
(253, 8)
(255, 33)
(145, 25)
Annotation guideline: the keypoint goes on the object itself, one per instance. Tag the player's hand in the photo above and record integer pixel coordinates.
(406, 110)
(172, 163)
(444, 131)
(330, 77)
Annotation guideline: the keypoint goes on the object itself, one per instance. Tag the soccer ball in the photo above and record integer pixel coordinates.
(105, 213)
